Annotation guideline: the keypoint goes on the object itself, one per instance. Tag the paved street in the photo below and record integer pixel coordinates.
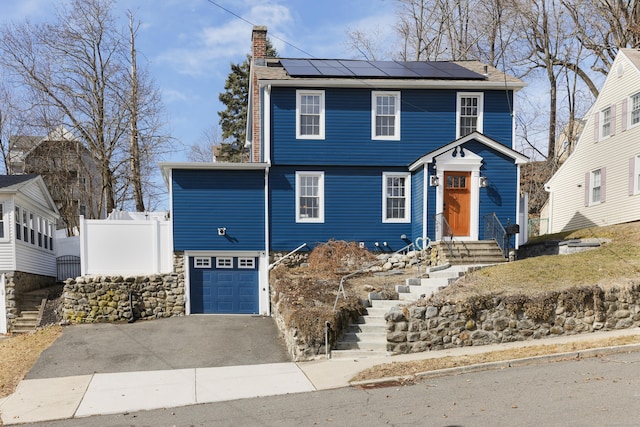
(602, 391)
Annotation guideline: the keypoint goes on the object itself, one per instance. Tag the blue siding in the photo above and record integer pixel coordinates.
(353, 209)
(501, 194)
(428, 119)
(204, 200)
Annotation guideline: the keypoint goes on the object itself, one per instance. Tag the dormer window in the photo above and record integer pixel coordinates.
(469, 113)
(385, 115)
(310, 114)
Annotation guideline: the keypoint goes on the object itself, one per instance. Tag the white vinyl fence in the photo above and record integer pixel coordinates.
(126, 247)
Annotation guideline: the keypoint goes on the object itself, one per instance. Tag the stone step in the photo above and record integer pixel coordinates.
(367, 328)
(358, 354)
(370, 320)
(362, 345)
(29, 314)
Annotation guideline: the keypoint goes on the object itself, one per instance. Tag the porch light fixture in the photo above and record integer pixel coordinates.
(434, 181)
(483, 182)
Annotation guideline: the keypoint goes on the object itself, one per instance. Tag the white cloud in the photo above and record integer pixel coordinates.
(216, 45)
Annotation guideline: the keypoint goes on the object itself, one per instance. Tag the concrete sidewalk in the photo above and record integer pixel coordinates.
(48, 399)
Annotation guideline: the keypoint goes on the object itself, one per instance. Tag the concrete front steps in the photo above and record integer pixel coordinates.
(368, 337)
(31, 308)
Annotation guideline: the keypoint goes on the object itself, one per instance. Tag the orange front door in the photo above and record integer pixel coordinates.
(457, 201)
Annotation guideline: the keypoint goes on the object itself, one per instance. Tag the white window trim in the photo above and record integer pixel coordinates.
(299, 94)
(396, 133)
(480, 124)
(602, 123)
(592, 186)
(247, 263)
(320, 175)
(201, 262)
(224, 262)
(5, 222)
(407, 195)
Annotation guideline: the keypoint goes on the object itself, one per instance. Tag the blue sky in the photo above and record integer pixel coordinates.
(190, 44)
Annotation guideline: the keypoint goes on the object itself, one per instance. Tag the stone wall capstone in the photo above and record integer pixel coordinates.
(473, 322)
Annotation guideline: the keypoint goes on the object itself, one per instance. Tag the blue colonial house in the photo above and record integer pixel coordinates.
(377, 152)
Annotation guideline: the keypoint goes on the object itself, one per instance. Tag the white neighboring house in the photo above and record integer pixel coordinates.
(27, 241)
(599, 184)
(27, 231)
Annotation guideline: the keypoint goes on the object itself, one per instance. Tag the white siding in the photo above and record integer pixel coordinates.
(567, 198)
(7, 252)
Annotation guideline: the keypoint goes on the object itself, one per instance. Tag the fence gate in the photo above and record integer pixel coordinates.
(68, 266)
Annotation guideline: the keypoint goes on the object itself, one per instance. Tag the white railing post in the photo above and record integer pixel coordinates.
(84, 239)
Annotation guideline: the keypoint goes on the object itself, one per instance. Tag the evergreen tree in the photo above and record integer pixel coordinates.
(233, 120)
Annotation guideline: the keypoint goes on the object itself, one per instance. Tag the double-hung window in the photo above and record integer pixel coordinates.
(469, 113)
(605, 122)
(310, 114)
(309, 196)
(396, 191)
(635, 109)
(385, 115)
(595, 187)
(3, 221)
(17, 217)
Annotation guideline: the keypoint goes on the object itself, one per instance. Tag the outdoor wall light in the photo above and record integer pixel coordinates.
(434, 181)
(222, 231)
(483, 182)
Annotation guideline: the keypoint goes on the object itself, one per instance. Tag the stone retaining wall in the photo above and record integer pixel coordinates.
(493, 319)
(106, 298)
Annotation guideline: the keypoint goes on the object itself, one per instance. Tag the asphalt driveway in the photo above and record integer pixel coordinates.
(196, 341)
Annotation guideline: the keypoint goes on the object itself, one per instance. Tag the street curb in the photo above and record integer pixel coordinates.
(503, 364)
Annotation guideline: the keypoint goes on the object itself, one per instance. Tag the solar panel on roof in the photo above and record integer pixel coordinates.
(377, 69)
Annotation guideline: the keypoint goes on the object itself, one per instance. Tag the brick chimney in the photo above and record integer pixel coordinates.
(258, 59)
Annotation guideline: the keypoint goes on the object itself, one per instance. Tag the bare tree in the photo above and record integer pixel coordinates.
(205, 150)
(134, 142)
(79, 72)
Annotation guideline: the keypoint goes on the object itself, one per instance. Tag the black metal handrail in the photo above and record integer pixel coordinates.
(494, 230)
(445, 231)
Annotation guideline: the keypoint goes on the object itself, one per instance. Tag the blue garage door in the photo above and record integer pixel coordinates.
(224, 285)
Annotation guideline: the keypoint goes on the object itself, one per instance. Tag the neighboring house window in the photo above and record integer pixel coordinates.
(3, 222)
(469, 113)
(309, 196)
(595, 187)
(605, 120)
(224, 262)
(310, 114)
(25, 225)
(45, 233)
(385, 115)
(32, 230)
(18, 224)
(249, 263)
(51, 231)
(635, 109)
(40, 227)
(396, 189)
(202, 262)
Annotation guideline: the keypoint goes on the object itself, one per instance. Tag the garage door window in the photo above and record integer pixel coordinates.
(202, 262)
(224, 262)
(249, 263)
